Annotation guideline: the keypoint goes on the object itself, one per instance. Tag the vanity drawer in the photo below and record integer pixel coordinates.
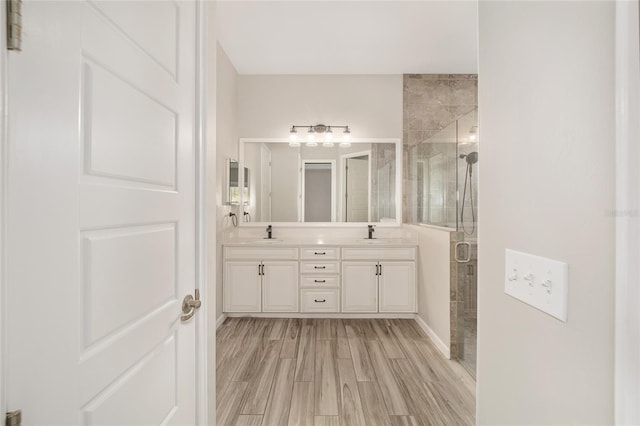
(320, 281)
(320, 253)
(320, 267)
(261, 253)
(320, 301)
(379, 253)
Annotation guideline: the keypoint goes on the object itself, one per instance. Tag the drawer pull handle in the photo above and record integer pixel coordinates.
(319, 267)
(319, 253)
(319, 301)
(319, 281)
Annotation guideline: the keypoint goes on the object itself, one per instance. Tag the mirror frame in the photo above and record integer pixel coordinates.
(399, 178)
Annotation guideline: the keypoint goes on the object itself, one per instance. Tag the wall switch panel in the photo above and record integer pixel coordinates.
(537, 281)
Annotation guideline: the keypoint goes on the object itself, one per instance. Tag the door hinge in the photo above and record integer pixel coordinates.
(13, 418)
(14, 25)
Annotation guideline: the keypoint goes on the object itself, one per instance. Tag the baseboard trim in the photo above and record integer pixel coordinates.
(220, 320)
(446, 351)
(316, 315)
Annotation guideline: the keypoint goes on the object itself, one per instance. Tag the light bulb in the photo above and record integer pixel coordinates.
(346, 136)
(293, 134)
(311, 135)
(328, 136)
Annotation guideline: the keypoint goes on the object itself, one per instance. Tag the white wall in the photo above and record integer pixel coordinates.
(434, 277)
(627, 376)
(270, 105)
(227, 147)
(547, 142)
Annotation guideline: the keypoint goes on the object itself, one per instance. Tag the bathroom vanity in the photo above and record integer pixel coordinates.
(360, 277)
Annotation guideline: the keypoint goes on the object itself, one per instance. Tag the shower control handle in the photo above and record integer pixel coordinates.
(467, 258)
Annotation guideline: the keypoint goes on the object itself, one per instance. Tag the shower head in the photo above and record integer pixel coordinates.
(471, 158)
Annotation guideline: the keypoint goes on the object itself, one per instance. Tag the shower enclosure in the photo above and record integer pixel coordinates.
(443, 175)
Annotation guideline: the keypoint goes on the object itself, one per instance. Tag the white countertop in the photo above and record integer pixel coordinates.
(333, 242)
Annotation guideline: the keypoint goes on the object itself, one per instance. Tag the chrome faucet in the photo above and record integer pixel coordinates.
(269, 231)
(371, 231)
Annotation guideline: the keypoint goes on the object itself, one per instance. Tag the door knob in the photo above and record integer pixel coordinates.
(189, 306)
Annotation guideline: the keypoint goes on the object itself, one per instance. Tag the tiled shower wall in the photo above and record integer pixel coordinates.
(431, 102)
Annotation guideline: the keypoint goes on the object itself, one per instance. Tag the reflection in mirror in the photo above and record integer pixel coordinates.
(233, 179)
(320, 184)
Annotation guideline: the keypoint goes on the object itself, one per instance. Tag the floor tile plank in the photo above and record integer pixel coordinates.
(351, 412)
(255, 399)
(375, 411)
(249, 420)
(326, 381)
(391, 392)
(291, 336)
(326, 421)
(301, 413)
(228, 403)
(279, 402)
(361, 360)
(305, 363)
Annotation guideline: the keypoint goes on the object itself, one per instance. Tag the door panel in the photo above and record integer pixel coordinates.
(397, 283)
(242, 287)
(280, 287)
(359, 287)
(101, 207)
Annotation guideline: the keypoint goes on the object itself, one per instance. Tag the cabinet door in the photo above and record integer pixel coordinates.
(397, 286)
(359, 287)
(242, 287)
(280, 287)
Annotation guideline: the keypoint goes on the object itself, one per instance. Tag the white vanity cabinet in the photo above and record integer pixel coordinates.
(260, 279)
(379, 280)
(319, 280)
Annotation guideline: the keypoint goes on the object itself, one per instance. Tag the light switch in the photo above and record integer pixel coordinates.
(537, 281)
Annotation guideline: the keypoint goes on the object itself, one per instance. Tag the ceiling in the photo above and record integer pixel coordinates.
(349, 37)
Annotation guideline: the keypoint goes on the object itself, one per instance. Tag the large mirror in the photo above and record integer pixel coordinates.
(356, 184)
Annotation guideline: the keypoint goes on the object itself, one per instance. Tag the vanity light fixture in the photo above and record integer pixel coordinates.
(322, 131)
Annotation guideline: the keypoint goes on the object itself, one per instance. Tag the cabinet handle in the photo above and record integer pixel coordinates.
(319, 253)
(259, 270)
(377, 270)
(380, 269)
(319, 267)
(319, 281)
(319, 301)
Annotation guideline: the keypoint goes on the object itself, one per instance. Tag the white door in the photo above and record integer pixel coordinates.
(359, 287)
(397, 286)
(280, 287)
(242, 291)
(100, 220)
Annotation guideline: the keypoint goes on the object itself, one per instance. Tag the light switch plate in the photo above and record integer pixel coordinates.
(537, 281)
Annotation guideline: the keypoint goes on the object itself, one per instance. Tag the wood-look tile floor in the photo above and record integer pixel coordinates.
(338, 372)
